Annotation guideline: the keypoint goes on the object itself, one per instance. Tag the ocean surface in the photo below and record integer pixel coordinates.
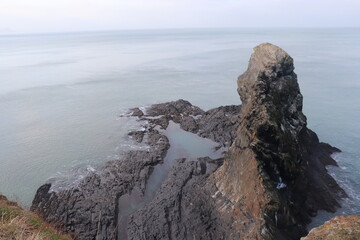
(61, 94)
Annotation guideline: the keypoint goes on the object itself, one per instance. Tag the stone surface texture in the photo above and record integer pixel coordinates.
(89, 208)
(274, 179)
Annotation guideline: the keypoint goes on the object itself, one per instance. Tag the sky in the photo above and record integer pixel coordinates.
(37, 16)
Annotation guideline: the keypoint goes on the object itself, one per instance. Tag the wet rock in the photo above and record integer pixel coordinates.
(138, 136)
(135, 112)
(218, 124)
(89, 209)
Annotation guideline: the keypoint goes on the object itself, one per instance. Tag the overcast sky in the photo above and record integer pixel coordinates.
(30, 16)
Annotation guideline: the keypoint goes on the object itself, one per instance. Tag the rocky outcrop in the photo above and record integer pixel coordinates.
(275, 179)
(218, 124)
(182, 207)
(338, 228)
(268, 185)
(90, 208)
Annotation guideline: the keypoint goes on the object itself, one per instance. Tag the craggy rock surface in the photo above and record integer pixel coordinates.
(338, 228)
(218, 124)
(275, 178)
(267, 186)
(89, 209)
(181, 208)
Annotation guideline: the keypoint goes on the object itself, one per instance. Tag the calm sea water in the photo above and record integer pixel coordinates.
(61, 94)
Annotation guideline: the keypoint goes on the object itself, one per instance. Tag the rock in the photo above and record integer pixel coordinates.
(218, 124)
(338, 228)
(180, 209)
(138, 136)
(89, 209)
(136, 112)
(269, 184)
(274, 179)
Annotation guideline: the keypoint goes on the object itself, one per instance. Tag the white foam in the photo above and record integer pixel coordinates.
(144, 109)
(196, 117)
(155, 117)
(69, 179)
(281, 184)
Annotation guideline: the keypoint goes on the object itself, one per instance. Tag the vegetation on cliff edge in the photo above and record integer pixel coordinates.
(18, 224)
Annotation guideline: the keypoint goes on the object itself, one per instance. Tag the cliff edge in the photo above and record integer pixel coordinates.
(338, 228)
(19, 224)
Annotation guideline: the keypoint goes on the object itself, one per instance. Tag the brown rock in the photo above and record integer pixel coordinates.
(338, 228)
(275, 178)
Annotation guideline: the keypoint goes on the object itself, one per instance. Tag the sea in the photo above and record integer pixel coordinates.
(61, 94)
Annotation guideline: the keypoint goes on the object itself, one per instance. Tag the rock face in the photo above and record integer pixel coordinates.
(267, 186)
(90, 209)
(275, 178)
(338, 228)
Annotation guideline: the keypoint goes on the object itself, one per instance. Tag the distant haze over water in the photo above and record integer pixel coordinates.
(61, 94)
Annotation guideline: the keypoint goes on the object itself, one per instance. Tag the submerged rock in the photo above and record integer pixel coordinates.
(268, 185)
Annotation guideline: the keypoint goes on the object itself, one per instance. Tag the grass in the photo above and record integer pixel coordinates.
(18, 224)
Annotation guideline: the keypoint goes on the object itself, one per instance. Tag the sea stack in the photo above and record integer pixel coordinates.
(274, 179)
(267, 186)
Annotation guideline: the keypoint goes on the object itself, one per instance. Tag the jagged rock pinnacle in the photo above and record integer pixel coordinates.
(267, 63)
(275, 176)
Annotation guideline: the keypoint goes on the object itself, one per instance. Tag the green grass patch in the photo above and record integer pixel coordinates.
(7, 213)
(52, 235)
(35, 222)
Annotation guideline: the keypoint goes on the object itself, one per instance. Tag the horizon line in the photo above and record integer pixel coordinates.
(167, 29)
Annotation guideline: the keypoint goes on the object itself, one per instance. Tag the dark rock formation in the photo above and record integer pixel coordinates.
(90, 208)
(275, 178)
(218, 124)
(180, 209)
(268, 185)
(272, 181)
